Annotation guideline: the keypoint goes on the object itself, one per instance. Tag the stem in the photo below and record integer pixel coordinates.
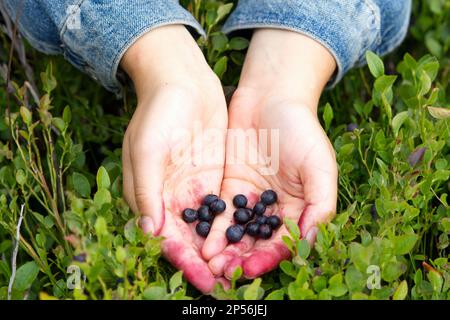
(16, 250)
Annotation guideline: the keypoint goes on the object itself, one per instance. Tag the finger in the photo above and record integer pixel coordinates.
(216, 241)
(319, 178)
(148, 170)
(217, 263)
(127, 173)
(265, 256)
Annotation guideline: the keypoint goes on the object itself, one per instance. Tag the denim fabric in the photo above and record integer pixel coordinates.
(94, 34)
(348, 28)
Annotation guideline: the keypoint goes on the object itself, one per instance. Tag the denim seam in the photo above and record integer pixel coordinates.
(377, 40)
(279, 25)
(139, 33)
(65, 20)
(397, 39)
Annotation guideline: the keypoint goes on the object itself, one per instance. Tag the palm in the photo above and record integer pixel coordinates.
(174, 165)
(303, 147)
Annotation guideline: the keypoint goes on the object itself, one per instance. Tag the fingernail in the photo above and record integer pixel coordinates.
(147, 225)
(311, 235)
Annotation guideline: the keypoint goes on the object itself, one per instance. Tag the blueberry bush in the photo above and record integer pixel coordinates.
(60, 178)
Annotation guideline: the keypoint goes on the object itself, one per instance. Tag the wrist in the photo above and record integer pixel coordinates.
(287, 64)
(167, 55)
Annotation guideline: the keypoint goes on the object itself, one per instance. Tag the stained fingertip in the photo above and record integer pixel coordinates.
(225, 283)
(264, 260)
(231, 267)
(217, 264)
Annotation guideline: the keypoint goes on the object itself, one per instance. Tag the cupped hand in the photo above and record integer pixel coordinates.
(173, 150)
(293, 154)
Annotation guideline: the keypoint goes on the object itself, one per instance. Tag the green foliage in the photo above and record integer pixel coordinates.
(60, 157)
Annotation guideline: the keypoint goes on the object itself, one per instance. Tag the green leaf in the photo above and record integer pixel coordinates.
(21, 178)
(398, 121)
(176, 281)
(25, 276)
(100, 226)
(392, 270)
(327, 115)
(238, 43)
(237, 274)
(436, 280)
(67, 115)
(223, 10)
(220, 67)
(404, 244)
(81, 184)
(439, 113)
(101, 197)
(103, 178)
(336, 287)
(48, 80)
(375, 64)
(253, 291)
(276, 295)
(26, 115)
(58, 123)
(401, 291)
(219, 42)
(155, 293)
(354, 279)
(121, 254)
(292, 228)
(303, 248)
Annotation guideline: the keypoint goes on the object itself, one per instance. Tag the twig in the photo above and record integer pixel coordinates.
(14, 256)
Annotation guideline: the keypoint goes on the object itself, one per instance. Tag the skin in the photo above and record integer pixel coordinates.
(281, 82)
(283, 76)
(176, 90)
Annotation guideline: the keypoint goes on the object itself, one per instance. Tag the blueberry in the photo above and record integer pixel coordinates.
(265, 231)
(269, 197)
(241, 216)
(218, 206)
(240, 201)
(250, 213)
(373, 212)
(208, 199)
(80, 258)
(203, 228)
(204, 214)
(261, 220)
(252, 229)
(235, 233)
(189, 215)
(274, 222)
(352, 127)
(259, 208)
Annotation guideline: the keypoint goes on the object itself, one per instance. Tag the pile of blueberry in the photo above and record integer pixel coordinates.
(250, 221)
(253, 221)
(211, 205)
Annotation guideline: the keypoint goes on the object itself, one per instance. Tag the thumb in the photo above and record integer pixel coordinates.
(148, 170)
(320, 188)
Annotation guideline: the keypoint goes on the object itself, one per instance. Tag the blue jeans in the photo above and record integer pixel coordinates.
(94, 34)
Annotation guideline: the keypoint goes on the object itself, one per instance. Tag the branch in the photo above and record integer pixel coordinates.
(16, 250)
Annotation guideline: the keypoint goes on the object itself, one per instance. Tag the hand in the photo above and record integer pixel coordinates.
(169, 160)
(279, 91)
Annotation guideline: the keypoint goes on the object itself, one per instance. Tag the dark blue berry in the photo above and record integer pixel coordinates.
(218, 206)
(261, 220)
(259, 208)
(80, 258)
(203, 228)
(269, 197)
(235, 233)
(208, 199)
(204, 214)
(250, 213)
(352, 127)
(373, 212)
(240, 201)
(265, 231)
(189, 215)
(274, 222)
(252, 229)
(241, 216)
